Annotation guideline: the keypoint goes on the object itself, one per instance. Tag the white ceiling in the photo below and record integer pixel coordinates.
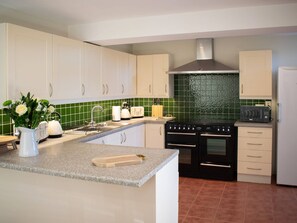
(112, 22)
(74, 12)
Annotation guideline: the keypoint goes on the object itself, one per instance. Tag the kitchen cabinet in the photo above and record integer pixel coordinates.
(26, 59)
(118, 74)
(254, 154)
(67, 69)
(152, 77)
(154, 136)
(255, 74)
(91, 76)
(133, 136)
(109, 72)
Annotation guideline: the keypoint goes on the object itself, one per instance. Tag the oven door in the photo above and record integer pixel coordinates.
(187, 144)
(216, 150)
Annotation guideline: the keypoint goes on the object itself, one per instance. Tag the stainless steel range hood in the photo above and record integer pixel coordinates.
(205, 64)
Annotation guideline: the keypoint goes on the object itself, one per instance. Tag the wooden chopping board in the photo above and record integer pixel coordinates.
(121, 160)
(7, 139)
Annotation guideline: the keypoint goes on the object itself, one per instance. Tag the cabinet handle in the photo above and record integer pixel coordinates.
(123, 89)
(255, 144)
(122, 138)
(250, 168)
(83, 89)
(165, 88)
(50, 90)
(103, 141)
(125, 137)
(255, 132)
(241, 88)
(254, 156)
(103, 88)
(107, 89)
(160, 130)
(150, 88)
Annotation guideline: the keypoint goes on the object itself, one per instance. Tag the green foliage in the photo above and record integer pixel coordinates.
(28, 111)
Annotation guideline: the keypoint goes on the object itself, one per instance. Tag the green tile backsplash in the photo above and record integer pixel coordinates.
(195, 96)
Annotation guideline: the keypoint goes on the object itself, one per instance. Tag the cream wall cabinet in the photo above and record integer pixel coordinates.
(91, 78)
(126, 74)
(3, 64)
(254, 154)
(27, 61)
(255, 74)
(118, 74)
(67, 69)
(154, 136)
(152, 77)
(109, 72)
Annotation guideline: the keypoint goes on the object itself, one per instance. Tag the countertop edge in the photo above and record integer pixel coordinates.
(253, 124)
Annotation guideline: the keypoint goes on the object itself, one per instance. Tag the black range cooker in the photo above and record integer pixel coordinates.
(207, 148)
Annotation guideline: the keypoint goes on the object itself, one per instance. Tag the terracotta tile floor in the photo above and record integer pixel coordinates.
(221, 202)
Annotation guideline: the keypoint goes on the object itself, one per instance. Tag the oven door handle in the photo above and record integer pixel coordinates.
(215, 165)
(181, 133)
(215, 135)
(181, 145)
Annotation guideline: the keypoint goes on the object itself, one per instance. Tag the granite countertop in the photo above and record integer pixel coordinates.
(253, 124)
(72, 159)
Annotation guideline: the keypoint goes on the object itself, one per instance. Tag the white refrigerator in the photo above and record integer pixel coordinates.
(287, 126)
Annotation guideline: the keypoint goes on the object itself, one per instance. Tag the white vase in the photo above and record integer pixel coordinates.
(28, 144)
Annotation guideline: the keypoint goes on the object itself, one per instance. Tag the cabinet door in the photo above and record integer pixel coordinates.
(255, 74)
(123, 73)
(29, 62)
(134, 136)
(130, 79)
(154, 136)
(91, 81)
(67, 68)
(160, 76)
(144, 75)
(109, 72)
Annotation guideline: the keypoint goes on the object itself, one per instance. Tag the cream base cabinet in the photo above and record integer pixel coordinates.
(255, 74)
(133, 137)
(154, 136)
(67, 69)
(152, 77)
(254, 154)
(29, 61)
(91, 78)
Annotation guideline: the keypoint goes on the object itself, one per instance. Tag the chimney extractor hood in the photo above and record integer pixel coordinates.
(204, 63)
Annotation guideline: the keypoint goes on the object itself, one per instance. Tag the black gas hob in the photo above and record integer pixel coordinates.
(207, 147)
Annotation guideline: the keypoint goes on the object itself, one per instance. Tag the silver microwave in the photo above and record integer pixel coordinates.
(255, 113)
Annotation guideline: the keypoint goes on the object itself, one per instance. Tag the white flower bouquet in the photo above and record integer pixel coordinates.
(28, 112)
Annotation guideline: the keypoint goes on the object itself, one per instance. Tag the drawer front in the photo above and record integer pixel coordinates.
(254, 168)
(255, 156)
(254, 143)
(255, 132)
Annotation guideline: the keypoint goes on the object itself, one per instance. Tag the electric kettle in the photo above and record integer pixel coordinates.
(125, 113)
(54, 127)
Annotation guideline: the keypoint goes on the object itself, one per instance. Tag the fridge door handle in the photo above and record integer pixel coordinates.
(278, 112)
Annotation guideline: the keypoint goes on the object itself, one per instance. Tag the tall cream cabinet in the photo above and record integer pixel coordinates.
(28, 56)
(255, 74)
(152, 77)
(254, 154)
